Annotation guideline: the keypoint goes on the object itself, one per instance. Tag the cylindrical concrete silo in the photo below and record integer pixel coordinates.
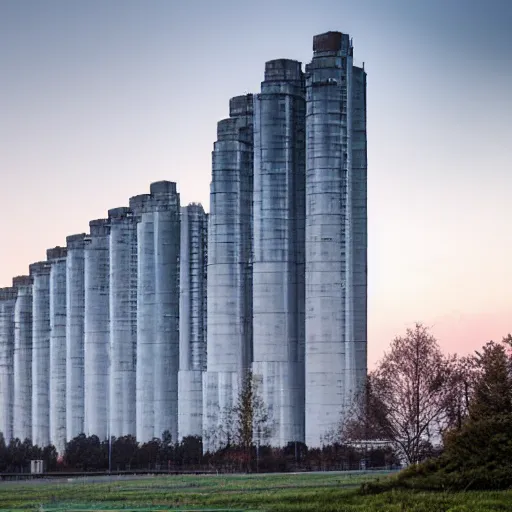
(123, 321)
(278, 261)
(22, 410)
(330, 320)
(75, 309)
(146, 319)
(40, 273)
(96, 330)
(57, 258)
(229, 318)
(7, 304)
(166, 204)
(193, 264)
(158, 249)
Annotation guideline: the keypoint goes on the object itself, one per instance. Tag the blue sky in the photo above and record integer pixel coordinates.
(99, 98)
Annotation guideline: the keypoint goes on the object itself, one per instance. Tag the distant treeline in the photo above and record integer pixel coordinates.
(90, 454)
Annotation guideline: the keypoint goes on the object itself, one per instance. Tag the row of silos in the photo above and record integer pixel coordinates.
(140, 342)
(304, 266)
(96, 327)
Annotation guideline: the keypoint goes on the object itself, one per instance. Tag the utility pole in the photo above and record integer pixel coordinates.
(258, 449)
(109, 452)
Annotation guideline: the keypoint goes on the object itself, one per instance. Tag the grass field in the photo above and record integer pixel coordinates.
(320, 492)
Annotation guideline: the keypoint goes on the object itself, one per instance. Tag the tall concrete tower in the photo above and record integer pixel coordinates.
(158, 242)
(40, 273)
(22, 410)
(75, 310)
(146, 328)
(57, 258)
(193, 262)
(7, 303)
(229, 318)
(278, 266)
(166, 203)
(96, 330)
(336, 234)
(123, 320)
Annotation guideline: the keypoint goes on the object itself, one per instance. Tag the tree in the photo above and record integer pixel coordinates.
(220, 435)
(408, 398)
(493, 387)
(148, 453)
(244, 424)
(86, 453)
(463, 381)
(251, 417)
(124, 452)
(189, 451)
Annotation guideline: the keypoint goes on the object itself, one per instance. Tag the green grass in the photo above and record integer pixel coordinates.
(319, 492)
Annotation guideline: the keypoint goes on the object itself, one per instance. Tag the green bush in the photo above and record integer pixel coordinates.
(477, 457)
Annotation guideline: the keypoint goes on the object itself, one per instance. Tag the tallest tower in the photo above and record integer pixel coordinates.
(336, 233)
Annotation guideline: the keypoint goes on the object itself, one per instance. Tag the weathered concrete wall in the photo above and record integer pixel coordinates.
(357, 359)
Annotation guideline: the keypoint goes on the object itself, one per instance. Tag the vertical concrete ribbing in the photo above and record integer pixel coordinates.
(357, 363)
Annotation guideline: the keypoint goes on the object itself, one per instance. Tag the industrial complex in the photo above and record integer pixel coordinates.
(151, 322)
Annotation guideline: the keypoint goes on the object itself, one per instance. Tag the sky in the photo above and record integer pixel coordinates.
(99, 98)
